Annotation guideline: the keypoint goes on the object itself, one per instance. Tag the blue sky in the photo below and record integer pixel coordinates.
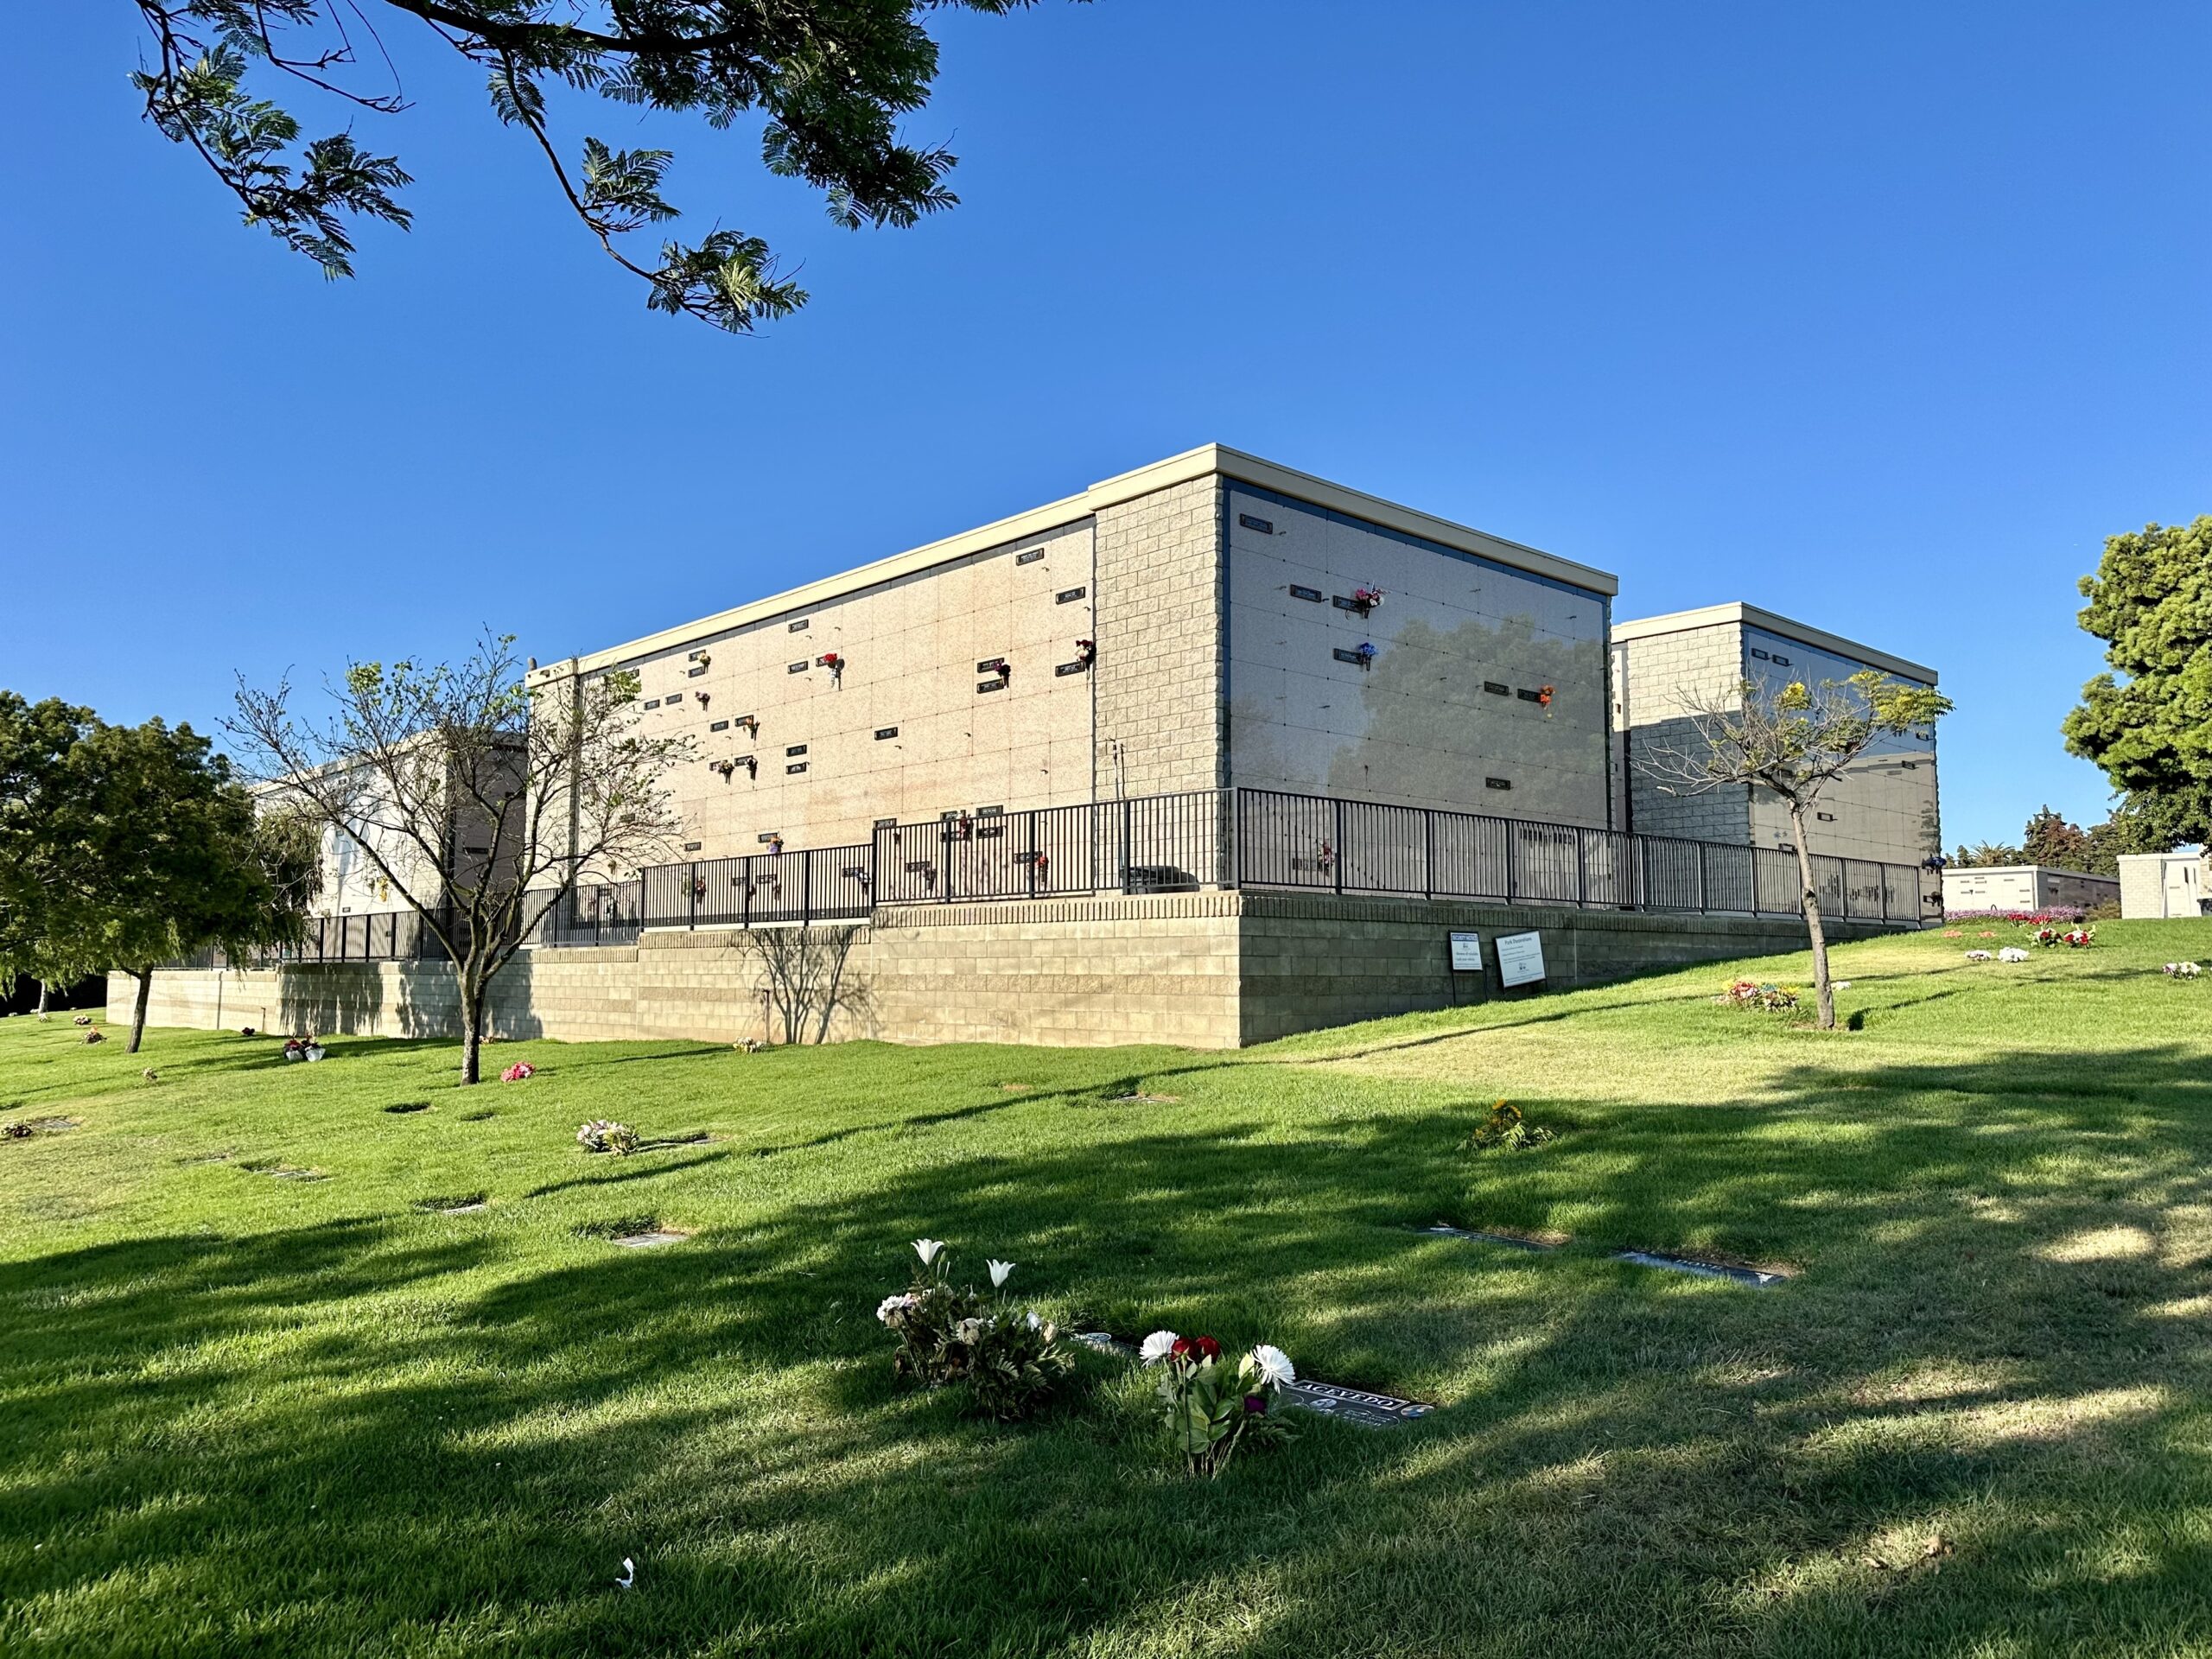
(1879, 316)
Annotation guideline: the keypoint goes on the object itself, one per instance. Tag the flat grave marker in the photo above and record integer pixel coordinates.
(1353, 1404)
(648, 1240)
(1758, 1278)
(1359, 1406)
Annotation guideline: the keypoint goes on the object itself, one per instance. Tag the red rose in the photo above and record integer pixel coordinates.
(1182, 1348)
(1208, 1348)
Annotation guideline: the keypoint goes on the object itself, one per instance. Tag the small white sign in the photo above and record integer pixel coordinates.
(1466, 953)
(1519, 959)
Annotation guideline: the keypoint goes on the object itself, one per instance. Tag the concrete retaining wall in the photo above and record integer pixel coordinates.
(1202, 970)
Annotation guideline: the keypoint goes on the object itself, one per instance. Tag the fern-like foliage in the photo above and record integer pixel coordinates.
(828, 79)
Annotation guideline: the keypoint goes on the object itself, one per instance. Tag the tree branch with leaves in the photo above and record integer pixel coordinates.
(829, 80)
(1794, 741)
(478, 797)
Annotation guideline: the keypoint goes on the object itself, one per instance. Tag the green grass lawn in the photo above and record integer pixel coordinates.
(245, 1411)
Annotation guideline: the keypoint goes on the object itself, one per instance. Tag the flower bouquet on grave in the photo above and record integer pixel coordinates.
(1213, 1408)
(2182, 969)
(603, 1134)
(2011, 953)
(1751, 994)
(2045, 937)
(1007, 1358)
(2080, 938)
(1506, 1128)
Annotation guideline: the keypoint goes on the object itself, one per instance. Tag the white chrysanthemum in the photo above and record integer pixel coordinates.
(927, 1249)
(1275, 1367)
(1157, 1347)
(1035, 1322)
(999, 1272)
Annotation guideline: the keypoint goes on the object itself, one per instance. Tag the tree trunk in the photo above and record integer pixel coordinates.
(42, 999)
(1823, 989)
(145, 978)
(472, 1031)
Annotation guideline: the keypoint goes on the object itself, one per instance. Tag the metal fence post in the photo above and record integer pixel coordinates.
(1337, 864)
(806, 887)
(1581, 870)
(1427, 854)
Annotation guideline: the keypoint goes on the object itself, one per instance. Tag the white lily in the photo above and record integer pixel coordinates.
(927, 1249)
(1275, 1367)
(998, 1271)
(1157, 1347)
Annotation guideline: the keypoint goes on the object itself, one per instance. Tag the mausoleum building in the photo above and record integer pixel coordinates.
(1667, 668)
(1208, 753)
(1211, 621)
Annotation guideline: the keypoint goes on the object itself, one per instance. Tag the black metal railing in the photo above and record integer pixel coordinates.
(1157, 843)
(386, 935)
(1199, 839)
(1269, 839)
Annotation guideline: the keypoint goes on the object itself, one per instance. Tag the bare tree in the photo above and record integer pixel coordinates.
(804, 970)
(1794, 741)
(476, 797)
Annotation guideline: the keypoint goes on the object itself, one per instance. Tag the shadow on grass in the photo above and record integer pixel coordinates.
(1981, 1350)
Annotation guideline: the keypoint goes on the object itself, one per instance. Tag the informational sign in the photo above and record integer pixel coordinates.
(1519, 959)
(1466, 953)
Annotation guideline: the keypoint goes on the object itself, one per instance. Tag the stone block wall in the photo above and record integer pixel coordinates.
(1199, 970)
(1160, 682)
(1312, 962)
(1660, 679)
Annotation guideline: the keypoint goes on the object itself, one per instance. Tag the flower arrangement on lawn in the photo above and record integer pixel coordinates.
(2062, 913)
(2011, 953)
(1980, 955)
(1008, 1359)
(2080, 938)
(1507, 1130)
(520, 1071)
(604, 1135)
(1212, 1408)
(2182, 969)
(1751, 994)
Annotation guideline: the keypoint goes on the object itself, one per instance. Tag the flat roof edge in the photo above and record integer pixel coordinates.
(1804, 632)
(2023, 869)
(1206, 460)
(1358, 504)
(1053, 515)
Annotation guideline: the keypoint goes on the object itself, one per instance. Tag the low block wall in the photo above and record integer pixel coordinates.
(1200, 970)
(1314, 962)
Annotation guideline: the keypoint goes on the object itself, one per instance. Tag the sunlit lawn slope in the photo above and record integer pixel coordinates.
(243, 1411)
